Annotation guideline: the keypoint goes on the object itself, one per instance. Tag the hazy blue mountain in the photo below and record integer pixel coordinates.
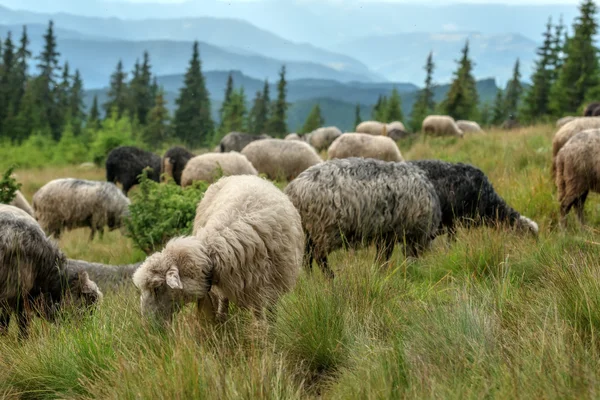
(231, 34)
(402, 56)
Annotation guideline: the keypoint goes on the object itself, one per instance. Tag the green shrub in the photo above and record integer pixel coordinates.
(160, 212)
(8, 187)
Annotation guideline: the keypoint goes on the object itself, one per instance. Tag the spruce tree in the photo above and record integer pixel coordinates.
(193, 121)
(579, 76)
(48, 87)
(556, 50)
(234, 114)
(257, 118)
(537, 98)
(357, 118)
(462, 98)
(393, 110)
(499, 111)
(76, 105)
(157, 131)
(64, 93)
(93, 120)
(140, 90)
(7, 83)
(226, 100)
(314, 120)
(277, 125)
(514, 89)
(425, 103)
(21, 73)
(118, 99)
(485, 114)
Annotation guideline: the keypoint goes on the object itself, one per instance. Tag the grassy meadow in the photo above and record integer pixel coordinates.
(492, 315)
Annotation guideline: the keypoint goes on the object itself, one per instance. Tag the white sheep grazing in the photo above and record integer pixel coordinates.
(365, 146)
(469, 126)
(563, 121)
(395, 125)
(16, 212)
(72, 203)
(206, 167)
(441, 125)
(247, 247)
(21, 202)
(371, 128)
(322, 138)
(278, 158)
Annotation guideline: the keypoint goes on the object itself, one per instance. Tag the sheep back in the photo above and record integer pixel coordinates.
(564, 120)
(236, 141)
(441, 125)
(567, 131)
(174, 161)
(590, 108)
(206, 167)
(322, 138)
(469, 126)
(125, 164)
(365, 146)
(370, 128)
(278, 158)
(21, 202)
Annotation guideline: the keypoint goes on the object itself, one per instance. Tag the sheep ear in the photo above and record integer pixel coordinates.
(173, 279)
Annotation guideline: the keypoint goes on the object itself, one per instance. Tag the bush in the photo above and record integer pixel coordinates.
(8, 187)
(160, 212)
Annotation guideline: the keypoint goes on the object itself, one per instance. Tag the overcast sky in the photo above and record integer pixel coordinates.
(378, 1)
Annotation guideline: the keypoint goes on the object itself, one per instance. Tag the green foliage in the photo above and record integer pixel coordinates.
(499, 111)
(159, 212)
(259, 114)
(394, 108)
(115, 132)
(8, 187)
(140, 90)
(234, 114)
(462, 99)
(379, 112)
(425, 103)
(158, 130)
(70, 149)
(514, 89)
(313, 121)
(193, 122)
(357, 118)
(117, 93)
(277, 124)
(225, 104)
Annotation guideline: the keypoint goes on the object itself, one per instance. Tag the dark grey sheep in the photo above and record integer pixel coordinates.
(174, 161)
(33, 276)
(236, 141)
(591, 108)
(468, 197)
(355, 201)
(125, 164)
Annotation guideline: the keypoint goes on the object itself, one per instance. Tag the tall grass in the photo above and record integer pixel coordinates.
(492, 315)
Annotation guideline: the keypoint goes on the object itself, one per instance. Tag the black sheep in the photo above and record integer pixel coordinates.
(468, 197)
(126, 163)
(592, 110)
(174, 161)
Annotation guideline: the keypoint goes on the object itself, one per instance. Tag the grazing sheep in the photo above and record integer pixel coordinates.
(510, 124)
(107, 277)
(577, 172)
(469, 126)
(356, 201)
(72, 203)
(395, 125)
(397, 134)
(570, 129)
(125, 164)
(247, 247)
(365, 146)
(322, 138)
(468, 197)
(371, 128)
(16, 211)
(563, 121)
(294, 136)
(207, 167)
(278, 158)
(590, 109)
(236, 141)
(21, 202)
(174, 161)
(33, 276)
(441, 125)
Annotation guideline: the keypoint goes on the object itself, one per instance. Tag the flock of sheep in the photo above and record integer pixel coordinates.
(251, 239)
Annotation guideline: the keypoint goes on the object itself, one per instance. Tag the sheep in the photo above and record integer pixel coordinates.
(567, 131)
(294, 136)
(72, 203)
(174, 161)
(365, 146)
(125, 164)
(357, 201)
(236, 141)
(397, 134)
(510, 123)
(563, 121)
(206, 167)
(468, 197)
(590, 109)
(278, 158)
(247, 247)
(577, 172)
(395, 125)
(322, 138)
(21, 202)
(33, 275)
(441, 125)
(17, 212)
(370, 127)
(469, 126)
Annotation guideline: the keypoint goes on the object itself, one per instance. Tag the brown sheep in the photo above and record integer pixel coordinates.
(562, 136)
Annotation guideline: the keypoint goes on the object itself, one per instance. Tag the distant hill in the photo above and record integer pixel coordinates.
(337, 109)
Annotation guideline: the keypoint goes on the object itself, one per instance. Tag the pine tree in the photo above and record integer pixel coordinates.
(499, 111)
(226, 100)
(393, 110)
(514, 89)
(7, 83)
(357, 118)
(47, 88)
(485, 114)
(64, 93)
(157, 131)
(76, 105)
(537, 98)
(579, 76)
(277, 125)
(93, 120)
(193, 121)
(118, 99)
(462, 98)
(425, 103)
(257, 118)
(314, 120)
(21, 74)
(234, 114)
(556, 50)
(140, 90)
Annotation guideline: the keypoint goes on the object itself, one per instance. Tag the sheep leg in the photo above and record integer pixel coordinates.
(579, 207)
(385, 248)
(223, 309)
(4, 322)
(565, 207)
(92, 234)
(309, 249)
(324, 264)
